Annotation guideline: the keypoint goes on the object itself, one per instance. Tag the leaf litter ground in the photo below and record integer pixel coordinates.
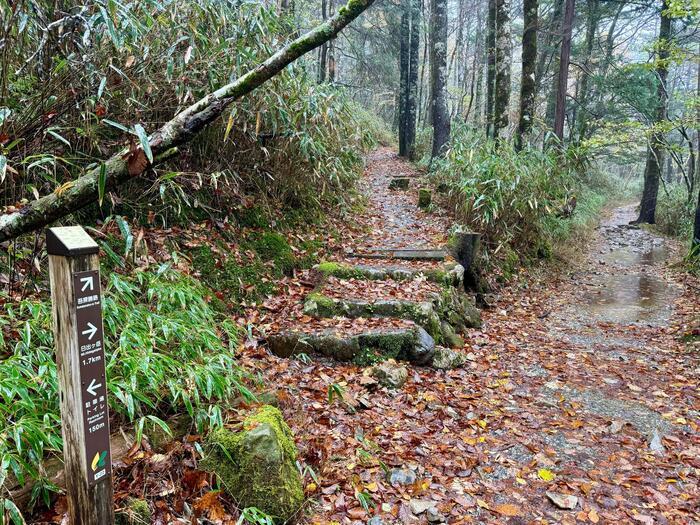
(578, 403)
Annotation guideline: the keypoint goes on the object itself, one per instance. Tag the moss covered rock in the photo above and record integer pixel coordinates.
(257, 466)
(425, 198)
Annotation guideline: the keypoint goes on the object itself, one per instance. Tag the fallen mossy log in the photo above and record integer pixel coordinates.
(128, 164)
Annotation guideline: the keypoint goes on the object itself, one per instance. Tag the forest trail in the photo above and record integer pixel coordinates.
(578, 401)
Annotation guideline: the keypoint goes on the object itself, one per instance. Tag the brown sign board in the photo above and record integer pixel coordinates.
(95, 411)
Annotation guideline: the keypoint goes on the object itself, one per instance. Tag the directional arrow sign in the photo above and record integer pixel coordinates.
(88, 283)
(91, 331)
(92, 389)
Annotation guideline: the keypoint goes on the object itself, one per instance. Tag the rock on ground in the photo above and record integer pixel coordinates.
(257, 466)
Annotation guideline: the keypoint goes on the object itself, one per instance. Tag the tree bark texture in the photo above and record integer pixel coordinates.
(529, 64)
(180, 130)
(504, 56)
(491, 67)
(655, 152)
(563, 78)
(438, 70)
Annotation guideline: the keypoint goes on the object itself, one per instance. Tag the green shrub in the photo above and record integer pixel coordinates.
(502, 193)
(517, 200)
(167, 351)
(675, 212)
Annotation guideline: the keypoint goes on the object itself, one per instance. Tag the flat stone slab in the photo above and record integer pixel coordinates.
(414, 345)
(408, 255)
(647, 422)
(448, 274)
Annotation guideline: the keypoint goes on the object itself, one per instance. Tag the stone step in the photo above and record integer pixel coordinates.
(412, 344)
(450, 274)
(403, 254)
(443, 315)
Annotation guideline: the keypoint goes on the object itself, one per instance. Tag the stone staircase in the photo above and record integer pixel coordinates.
(404, 304)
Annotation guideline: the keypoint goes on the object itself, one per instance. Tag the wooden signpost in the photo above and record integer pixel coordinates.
(77, 316)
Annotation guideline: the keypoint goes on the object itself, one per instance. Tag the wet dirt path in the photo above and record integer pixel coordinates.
(577, 393)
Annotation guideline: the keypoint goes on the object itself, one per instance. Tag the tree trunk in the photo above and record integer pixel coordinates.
(438, 70)
(405, 35)
(591, 29)
(563, 79)
(412, 100)
(529, 64)
(323, 56)
(491, 68)
(504, 56)
(695, 250)
(655, 152)
(547, 53)
(126, 165)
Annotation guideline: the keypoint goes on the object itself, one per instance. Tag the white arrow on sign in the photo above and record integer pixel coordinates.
(94, 385)
(91, 331)
(88, 283)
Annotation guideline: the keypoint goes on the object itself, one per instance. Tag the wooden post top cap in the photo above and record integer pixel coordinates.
(70, 241)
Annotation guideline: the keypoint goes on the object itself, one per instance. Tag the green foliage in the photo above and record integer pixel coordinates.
(167, 351)
(123, 69)
(675, 211)
(503, 194)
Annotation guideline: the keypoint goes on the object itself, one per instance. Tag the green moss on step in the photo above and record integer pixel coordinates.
(339, 270)
(257, 466)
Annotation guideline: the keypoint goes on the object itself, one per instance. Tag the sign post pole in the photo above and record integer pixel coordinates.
(77, 318)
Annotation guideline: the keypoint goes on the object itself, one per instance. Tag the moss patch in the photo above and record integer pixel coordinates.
(257, 466)
(135, 512)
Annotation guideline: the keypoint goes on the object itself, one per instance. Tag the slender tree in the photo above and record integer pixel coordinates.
(549, 58)
(404, 45)
(563, 78)
(412, 98)
(529, 64)
(592, 22)
(323, 51)
(695, 250)
(438, 73)
(655, 151)
(491, 67)
(504, 55)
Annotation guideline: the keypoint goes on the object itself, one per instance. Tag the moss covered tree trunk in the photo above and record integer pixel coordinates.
(126, 165)
(438, 70)
(655, 152)
(504, 55)
(529, 64)
(412, 99)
